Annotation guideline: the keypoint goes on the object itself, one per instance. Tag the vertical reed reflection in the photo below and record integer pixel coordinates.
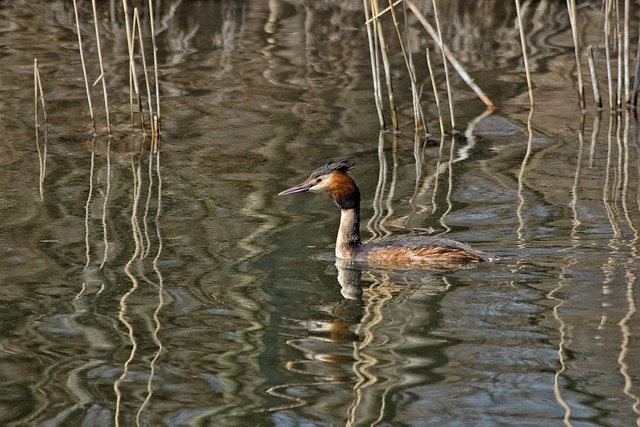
(575, 237)
(392, 185)
(160, 278)
(42, 160)
(123, 314)
(141, 323)
(105, 204)
(558, 388)
(523, 166)
(374, 224)
(627, 332)
(630, 276)
(87, 206)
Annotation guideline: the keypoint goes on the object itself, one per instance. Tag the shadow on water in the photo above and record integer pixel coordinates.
(162, 282)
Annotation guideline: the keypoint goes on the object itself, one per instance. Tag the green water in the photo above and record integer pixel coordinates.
(173, 287)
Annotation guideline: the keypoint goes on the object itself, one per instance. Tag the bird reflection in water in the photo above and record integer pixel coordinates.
(362, 344)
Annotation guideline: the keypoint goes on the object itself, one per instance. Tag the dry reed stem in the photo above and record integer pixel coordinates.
(523, 42)
(435, 91)
(375, 68)
(620, 68)
(131, 64)
(136, 18)
(134, 88)
(445, 66)
(573, 19)
(104, 84)
(35, 93)
(408, 61)
(39, 93)
(84, 67)
(626, 56)
(459, 68)
(607, 54)
(385, 65)
(134, 23)
(417, 94)
(636, 77)
(156, 121)
(594, 79)
(42, 154)
(617, 43)
(156, 136)
(383, 11)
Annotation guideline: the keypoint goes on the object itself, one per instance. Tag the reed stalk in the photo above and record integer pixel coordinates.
(385, 65)
(626, 55)
(636, 77)
(42, 154)
(35, 93)
(447, 53)
(444, 64)
(39, 93)
(434, 87)
(156, 120)
(573, 19)
(84, 67)
(607, 53)
(375, 67)
(385, 10)
(417, 95)
(594, 79)
(620, 68)
(137, 25)
(104, 84)
(408, 61)
(134, 90)
(525, 57)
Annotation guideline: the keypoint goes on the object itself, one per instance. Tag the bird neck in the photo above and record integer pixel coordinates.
(346, 196)
(348, 233)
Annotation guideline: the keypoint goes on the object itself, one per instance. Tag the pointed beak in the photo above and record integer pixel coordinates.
(300, 188)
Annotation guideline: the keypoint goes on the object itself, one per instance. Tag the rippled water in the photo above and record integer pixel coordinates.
(168, 284)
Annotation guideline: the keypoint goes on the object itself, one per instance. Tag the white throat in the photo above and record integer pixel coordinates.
(348, 234)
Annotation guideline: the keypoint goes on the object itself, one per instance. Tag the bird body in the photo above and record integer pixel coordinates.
(403, 252)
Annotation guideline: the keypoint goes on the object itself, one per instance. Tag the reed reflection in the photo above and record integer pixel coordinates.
(142, 321)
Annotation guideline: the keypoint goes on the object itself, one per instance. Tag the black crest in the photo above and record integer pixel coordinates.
(341, 166)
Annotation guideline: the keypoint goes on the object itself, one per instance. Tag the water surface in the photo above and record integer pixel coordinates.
(168, 284)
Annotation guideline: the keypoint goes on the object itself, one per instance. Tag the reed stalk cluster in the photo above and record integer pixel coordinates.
(397, 18)
(143, 73)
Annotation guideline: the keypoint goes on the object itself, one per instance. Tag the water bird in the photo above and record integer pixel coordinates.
(402, 252)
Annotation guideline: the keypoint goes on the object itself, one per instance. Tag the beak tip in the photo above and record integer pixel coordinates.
(301, 188)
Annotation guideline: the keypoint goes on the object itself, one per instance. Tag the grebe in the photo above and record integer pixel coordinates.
(401, 252)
